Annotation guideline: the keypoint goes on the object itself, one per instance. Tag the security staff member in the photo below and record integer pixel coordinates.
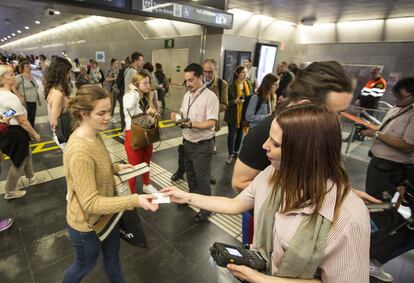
(200, 109)
(373, 90)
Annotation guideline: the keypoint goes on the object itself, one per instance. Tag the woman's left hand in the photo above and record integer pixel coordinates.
(125, 166)
(246, 273)
(151, 112)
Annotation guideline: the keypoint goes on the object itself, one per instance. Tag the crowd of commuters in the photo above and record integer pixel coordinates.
(283, 134)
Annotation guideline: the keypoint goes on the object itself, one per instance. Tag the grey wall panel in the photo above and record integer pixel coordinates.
(117, 39)
(396, 57)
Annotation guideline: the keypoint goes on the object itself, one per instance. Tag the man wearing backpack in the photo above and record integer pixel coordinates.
(120, 84)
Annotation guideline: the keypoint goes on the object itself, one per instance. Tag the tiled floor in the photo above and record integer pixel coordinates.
(37, 248)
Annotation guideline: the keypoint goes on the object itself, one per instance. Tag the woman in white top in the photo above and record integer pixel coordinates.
(57, 92)
(16, 142)
(27, 88)
(136, 101)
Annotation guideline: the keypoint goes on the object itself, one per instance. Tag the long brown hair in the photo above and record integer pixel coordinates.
(265, 86)
(311, 155)
(57, 76)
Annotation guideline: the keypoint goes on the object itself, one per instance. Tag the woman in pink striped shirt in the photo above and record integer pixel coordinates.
(309, 225)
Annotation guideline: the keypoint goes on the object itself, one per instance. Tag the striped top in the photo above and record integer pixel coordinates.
(347, 251)
(375, 87)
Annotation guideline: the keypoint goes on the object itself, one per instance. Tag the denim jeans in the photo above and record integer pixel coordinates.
(87, 249)
(234, 138)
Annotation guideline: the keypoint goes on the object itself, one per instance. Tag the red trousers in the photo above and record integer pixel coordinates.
(135, 157)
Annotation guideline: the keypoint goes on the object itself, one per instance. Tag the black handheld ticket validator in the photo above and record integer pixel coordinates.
(224, 254)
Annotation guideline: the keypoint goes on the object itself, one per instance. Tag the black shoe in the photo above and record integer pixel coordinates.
(176, 176)
(201, 217)
(213, 180)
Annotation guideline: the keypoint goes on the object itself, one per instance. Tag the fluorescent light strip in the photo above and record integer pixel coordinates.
(76, 25)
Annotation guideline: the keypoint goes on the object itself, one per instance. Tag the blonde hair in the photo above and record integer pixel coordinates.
(137, 77)
(3, 71)
(85, 101)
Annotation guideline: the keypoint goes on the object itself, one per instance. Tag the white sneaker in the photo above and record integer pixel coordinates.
(149, 189)
(379, 273)
(34, 180)
(230, 159)
(15, 194)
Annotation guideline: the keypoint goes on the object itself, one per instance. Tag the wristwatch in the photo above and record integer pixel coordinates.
(376, 134)
(191, 125)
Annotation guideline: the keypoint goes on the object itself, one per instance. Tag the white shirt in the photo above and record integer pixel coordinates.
(9, 100)
(131, 105)
(204, 105)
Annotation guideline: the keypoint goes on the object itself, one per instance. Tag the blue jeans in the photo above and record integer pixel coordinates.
(234, 138)
(87, 248)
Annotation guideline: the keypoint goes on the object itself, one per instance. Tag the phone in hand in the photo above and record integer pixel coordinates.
(9, 113)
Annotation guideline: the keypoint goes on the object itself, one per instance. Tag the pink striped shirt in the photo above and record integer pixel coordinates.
(347, 248)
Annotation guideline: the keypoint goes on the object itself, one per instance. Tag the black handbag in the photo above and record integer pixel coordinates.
(64, 127)
(132, 230)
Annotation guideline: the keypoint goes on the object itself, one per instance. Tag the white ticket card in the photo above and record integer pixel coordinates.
(161, 198)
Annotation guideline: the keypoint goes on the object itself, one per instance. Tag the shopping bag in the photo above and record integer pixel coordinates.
(132, 230)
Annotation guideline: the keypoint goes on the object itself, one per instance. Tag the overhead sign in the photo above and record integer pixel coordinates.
(100, 56)
(169, 43)
(185, 12)
(107, 3)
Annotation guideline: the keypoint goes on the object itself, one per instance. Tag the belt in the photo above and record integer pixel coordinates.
(199, 142)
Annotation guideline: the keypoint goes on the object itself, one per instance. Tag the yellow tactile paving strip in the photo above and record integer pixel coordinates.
(231, 224)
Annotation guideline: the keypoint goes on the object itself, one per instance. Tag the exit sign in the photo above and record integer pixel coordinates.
(169, 43)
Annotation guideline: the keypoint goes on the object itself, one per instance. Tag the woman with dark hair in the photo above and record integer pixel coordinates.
(26, 87)
(120, 82)
(263, 103)
(309, 225)
(162, 79)
(57, 92)
(239, 89)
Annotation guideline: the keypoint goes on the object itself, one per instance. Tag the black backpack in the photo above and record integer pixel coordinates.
(246, 104)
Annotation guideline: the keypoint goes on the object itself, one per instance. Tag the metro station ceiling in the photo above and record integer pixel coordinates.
(15, 15)
(327, 10)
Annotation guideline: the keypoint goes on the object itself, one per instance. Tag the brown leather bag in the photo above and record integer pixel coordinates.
(145, 130)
